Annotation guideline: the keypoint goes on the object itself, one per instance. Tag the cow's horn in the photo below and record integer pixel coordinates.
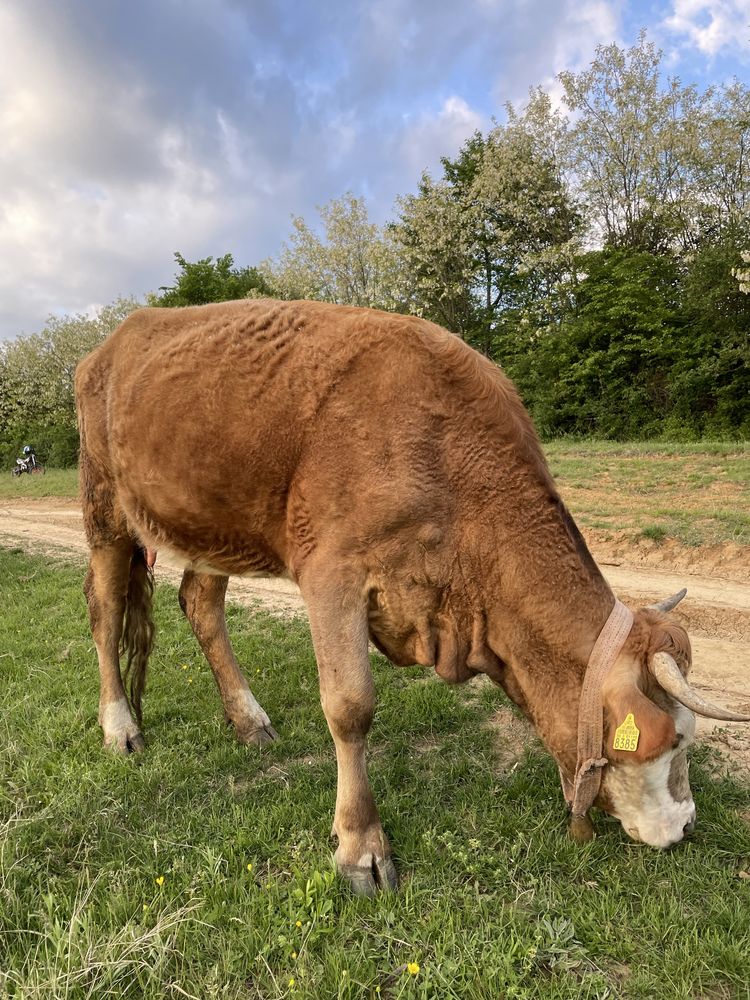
(669, 676)
(669, 602)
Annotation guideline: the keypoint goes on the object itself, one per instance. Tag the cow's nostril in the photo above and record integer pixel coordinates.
(689, 827)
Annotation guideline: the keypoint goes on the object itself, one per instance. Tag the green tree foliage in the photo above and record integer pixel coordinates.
(602, 259)
(490, 247)
(711, 368)
(434, 242)
(605, 369)
(37, 404)
(719, 157)
(210, 280)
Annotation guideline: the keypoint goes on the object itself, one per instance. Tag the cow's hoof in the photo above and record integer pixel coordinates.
(256, 736)
(367, 880)
(121, 732)
(125, 743)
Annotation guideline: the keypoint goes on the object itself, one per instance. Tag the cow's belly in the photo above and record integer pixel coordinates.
(177, 560)
(188, 539)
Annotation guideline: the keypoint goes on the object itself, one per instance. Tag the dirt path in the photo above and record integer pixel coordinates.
(716, 611)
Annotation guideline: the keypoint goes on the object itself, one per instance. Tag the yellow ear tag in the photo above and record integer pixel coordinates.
(626, 734)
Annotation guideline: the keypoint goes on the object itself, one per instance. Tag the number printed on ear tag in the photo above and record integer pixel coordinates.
(626, 734)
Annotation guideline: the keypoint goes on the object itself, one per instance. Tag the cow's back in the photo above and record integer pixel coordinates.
(227, 425)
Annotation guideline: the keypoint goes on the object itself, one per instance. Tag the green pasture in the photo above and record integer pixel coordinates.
(697, 494)
(202, 869)
(54, 483)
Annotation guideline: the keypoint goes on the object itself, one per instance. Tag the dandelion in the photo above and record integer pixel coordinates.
(298, 923)
(413, 968)
(159, 880)
(249, 866)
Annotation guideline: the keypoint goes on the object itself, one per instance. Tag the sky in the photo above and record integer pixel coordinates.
(131, 129)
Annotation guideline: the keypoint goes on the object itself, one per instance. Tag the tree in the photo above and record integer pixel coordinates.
(434, 241)
(743, 275)
(628, 145)
(720, 163)
(605, 370)
(710, 379)
(37, 403)
(489, 247)
(352, 263)
(210, 280)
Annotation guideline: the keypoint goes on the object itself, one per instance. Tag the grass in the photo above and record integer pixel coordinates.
(203, 869)
(54, 483)
(698, 494)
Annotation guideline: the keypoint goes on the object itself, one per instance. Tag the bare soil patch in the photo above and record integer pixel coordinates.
(728, 560)
(716, 611)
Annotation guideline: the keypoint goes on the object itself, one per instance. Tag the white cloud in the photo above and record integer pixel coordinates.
(555, 37)
(99, 184)
(428, 138)
(133, 130)
(711, 26)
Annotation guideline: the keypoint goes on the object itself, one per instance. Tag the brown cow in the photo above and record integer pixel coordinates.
(393, 473)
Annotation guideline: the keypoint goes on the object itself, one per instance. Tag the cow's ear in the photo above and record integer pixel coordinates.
(635, 729)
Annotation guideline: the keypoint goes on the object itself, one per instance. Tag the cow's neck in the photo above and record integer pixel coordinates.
(546, 602)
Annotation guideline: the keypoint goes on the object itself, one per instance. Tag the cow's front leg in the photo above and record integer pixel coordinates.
(202, 600)
(347, 694)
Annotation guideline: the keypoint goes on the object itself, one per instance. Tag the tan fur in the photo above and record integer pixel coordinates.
(380, 462)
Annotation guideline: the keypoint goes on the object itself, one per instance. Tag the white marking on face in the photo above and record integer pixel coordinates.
(647, 798)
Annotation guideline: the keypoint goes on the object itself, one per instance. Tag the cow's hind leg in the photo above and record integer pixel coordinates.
(116, 578)
(202, 600)
(347, 693)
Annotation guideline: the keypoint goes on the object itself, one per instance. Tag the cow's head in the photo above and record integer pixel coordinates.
(645, 784)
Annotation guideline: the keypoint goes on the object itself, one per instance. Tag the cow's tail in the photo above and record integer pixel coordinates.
(138, 628)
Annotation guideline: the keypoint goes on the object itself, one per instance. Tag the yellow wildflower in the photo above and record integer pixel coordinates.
(145, 907)
(291, 981)
(298, 923)
(190, 680)
(294, 954)
(159, 880)
(413, 968)
(249, 866)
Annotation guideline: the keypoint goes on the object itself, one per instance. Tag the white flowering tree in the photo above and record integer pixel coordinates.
(37, 403)
(742, 275)
(348, 259)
